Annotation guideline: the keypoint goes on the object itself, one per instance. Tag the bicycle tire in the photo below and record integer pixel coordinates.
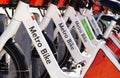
(18, 58)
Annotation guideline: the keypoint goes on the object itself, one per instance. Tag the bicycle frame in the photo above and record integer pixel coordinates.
(70, 13)
(63, 30)
(95, 26)
(92, 22)
(108, 33)
(38, 39)
(84, 31)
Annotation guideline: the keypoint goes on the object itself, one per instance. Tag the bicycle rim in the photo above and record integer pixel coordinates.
(17, 67)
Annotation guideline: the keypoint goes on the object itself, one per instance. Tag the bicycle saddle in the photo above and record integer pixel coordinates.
(113, 5)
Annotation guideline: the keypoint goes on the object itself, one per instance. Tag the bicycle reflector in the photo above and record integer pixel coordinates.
(3, 2)
(36, 2)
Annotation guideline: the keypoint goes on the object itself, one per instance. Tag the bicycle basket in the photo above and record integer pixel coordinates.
(36, 2)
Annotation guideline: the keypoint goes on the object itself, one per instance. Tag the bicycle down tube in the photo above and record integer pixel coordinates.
(64, 31)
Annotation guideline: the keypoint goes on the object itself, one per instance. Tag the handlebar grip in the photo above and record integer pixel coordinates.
(113, 5)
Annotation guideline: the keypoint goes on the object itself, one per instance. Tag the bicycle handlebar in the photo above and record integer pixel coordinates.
(113, 5)
(108, 18)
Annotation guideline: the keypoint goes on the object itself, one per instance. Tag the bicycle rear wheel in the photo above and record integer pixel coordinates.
(15, 59)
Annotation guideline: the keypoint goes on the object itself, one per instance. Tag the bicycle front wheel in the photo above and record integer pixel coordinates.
(14, 65)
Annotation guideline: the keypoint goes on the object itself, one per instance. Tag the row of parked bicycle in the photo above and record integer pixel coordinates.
(74, 39)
